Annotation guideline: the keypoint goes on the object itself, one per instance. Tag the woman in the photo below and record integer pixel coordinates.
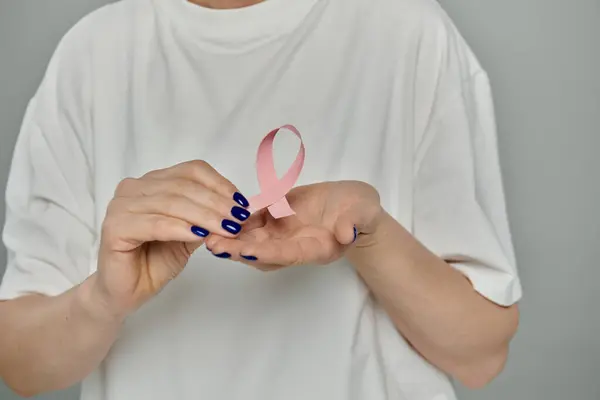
(138, 149)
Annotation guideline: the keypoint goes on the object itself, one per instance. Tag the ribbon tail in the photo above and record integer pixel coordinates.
(281, 209)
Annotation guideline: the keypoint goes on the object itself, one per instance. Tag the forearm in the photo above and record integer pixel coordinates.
(433, 305)
(50, 343)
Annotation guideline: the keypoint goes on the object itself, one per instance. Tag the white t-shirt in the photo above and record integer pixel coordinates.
(384, 91)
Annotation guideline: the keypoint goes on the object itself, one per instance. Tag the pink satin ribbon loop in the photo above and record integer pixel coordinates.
(273, 189)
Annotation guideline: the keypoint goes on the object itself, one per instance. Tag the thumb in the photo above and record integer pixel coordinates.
(348, 226)
(345, 231)
(354, 222)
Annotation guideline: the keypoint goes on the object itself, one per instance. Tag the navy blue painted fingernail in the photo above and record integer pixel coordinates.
(223, 255)
(355, 235)
(240, 213)
(249, 258)
(196, 230)
(240, 199)
(231, 227)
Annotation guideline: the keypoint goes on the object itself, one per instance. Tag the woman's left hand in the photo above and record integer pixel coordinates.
(328, 218)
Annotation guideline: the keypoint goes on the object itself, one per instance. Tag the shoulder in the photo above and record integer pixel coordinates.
(92, 45)
(105, 25)
(431, 58)
(410, 9)
(406, 17)
(423, 29)
(413, 16)
(424, 35)
(89, 45)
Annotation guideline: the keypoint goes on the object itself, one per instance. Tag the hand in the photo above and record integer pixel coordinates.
(154, 224)
(328, 218)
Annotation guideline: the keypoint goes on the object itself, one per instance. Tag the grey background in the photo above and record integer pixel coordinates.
(543, 57)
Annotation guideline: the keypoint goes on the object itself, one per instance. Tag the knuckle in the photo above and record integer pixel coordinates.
(229, 187)
(152, 174)
(159, 226)
(170, 205)
(199, 163)
(182, 186)
(173, 205)
(212, 201)
(125, 186)
(197, 167)
(201, 168)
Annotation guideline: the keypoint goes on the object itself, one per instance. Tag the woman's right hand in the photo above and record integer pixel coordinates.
(154, 224)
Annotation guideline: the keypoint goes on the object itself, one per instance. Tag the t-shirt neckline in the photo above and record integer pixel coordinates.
(239, 29)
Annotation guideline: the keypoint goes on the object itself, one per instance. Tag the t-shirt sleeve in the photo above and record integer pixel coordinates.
(459, 205)
(49, 227)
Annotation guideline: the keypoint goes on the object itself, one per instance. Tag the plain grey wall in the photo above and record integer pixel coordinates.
(543, 58)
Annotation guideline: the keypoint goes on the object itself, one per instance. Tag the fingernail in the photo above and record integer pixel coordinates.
(231, 227)
(240, 199)
(240, 213)
(223, 255)
(249, 258)
(355, 235)
(196, 230)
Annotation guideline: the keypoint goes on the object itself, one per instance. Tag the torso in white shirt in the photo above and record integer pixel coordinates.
(167, 82)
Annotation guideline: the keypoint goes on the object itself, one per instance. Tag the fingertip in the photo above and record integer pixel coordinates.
(239, 213)
(248, 254)
(217, 243)
(210, 242)
(223, 255)
(231, 227)
(199, 231)
(346, 233)
(241, 199)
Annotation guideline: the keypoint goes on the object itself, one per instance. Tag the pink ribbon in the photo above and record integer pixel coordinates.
(273, 189)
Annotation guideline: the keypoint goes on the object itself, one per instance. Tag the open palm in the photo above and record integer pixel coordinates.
(324, 225)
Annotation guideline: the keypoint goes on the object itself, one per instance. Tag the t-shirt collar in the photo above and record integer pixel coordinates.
(237, 29)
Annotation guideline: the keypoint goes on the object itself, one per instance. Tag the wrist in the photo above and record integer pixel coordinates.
(96, 302)
(376, 232)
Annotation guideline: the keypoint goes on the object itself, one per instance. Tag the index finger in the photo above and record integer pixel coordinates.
(203, 173)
